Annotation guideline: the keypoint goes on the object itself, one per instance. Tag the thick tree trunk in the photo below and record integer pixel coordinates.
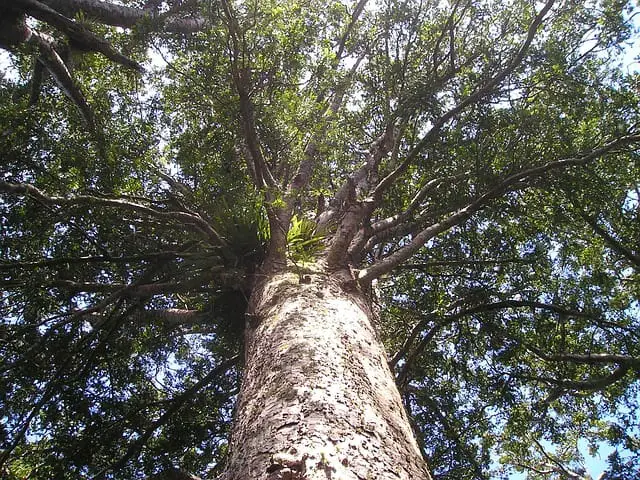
(318, 400)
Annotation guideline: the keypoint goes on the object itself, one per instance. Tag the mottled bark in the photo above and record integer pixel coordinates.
(318, 400)
(111, 13)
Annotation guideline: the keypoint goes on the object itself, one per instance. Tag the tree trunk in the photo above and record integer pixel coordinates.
(318, 400)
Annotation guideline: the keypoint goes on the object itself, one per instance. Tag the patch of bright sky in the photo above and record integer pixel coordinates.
(7, 69)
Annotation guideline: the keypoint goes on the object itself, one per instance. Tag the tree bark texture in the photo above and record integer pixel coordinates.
(318, 399)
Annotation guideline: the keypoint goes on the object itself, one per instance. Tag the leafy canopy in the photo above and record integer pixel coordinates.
(475, 161)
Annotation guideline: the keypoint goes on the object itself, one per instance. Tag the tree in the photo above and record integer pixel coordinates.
(204, 262)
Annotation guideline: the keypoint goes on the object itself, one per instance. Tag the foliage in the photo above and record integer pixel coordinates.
(303, 244)
(508, 281)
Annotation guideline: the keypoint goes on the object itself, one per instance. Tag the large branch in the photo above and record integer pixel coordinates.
(63, 78)
(75, 31)
(113, 14)
(353, 211)
(305, 169)
(516, 181)
(179, 217)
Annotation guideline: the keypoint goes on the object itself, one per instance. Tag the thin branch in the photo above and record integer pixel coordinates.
(590, 385)
(614, 244)
(79, 200)
(455, 435)
(594, 358)
(360, 243)
(556, 464)
(587, 358)
(415, 331)
(47, 394)
(54, 262)
(37, 76)
(448, 319)
(241, 74)
(176, 405)
(133, 290)
(116, 296)
(464, 263)
(415, 203)
(480, 93)
(305, 169)
(169, 316)
(347, 32)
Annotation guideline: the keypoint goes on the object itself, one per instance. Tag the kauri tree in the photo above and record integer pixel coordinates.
(391, 239)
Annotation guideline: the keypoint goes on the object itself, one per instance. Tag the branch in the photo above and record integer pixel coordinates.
(563, 386)
(524, 303)
(360, 242)
(347, 32)
(463, 263)
(241, 76)
(37, 75)
(355, 212)
(594, 358)
(47, 394)
(305, 169)
(116, 296)
(132, 290)
(588, 358)
(455, 435)
(24, 189)
(54, 262)
(480, 93)
(409, 228)
(556, 465)
(173, 474)
(415, 202)
(62, 76)
(415, 331)
(513, 182)
(122, 16)
(614, 244)
(176, 404)
(169, 316)
(448, 319)
(76, 32)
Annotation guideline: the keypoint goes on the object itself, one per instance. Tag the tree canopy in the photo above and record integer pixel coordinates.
(474, 163)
